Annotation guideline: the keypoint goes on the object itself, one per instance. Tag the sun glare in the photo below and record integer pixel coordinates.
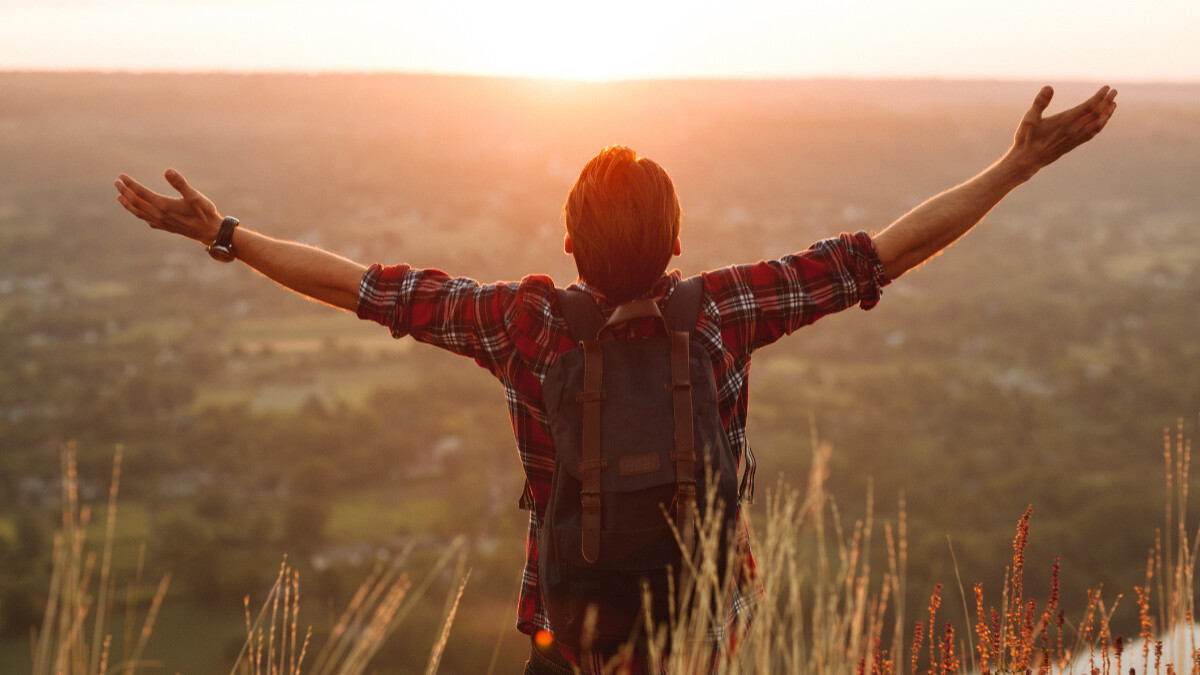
(615, 39)
(584, 41)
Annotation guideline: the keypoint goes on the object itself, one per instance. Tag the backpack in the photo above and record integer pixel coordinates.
(636, 430)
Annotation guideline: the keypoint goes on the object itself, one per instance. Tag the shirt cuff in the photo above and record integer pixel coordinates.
(867, 268)
(380, 296)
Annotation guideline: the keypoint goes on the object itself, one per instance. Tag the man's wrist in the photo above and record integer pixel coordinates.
(1013, 169)
(212, 227)
(221, 249)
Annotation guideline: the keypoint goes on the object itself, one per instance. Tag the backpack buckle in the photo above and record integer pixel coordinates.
(593, 465)
(589, 396)
(675, 385)
(689, 456)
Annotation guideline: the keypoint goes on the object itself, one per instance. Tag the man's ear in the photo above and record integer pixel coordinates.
(678, 250)
(567, 244)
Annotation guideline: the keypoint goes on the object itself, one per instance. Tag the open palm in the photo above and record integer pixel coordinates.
(191, 214)
(1040, 141)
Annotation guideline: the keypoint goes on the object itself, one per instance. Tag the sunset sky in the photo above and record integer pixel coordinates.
(1021, 39)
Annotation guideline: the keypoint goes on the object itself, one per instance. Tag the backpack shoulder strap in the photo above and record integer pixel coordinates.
(682, 309)
(584, 320)
(583, 316)
(681, 312)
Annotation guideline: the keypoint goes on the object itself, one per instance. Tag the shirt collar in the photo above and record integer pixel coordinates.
(661, 291)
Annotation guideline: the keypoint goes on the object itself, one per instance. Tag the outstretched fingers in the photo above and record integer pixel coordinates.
(138, 190)
(1091, 116)
(1033, 116)
(134, 209)
(1096, 125)
(1095, 101)
(135, 203)
(180, 183)
(1040, 102)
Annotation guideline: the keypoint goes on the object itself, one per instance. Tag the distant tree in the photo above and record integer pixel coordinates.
(309, 505)
(18, 611)
(215, 503)
(151, 393)
(189, 550)
(304, 522)
(33, 536)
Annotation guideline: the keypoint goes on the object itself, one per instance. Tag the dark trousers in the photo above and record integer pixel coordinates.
(547, 662)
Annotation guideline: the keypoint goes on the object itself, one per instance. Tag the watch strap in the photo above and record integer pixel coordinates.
(222, 247)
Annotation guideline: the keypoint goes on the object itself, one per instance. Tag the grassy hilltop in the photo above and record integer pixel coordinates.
(1038, 362)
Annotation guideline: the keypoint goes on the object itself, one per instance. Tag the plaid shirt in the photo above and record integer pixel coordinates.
(516, 330)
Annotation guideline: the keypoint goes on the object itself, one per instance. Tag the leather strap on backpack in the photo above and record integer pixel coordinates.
(591, 464)
(685, 450)
(582, 315)
(682, 311)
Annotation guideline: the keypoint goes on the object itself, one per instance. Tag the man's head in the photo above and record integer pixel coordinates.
(622, 220)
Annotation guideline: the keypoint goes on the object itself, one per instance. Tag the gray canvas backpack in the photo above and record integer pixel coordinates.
(636, 431)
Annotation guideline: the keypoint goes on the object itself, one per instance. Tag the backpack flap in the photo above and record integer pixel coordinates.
(631, 422)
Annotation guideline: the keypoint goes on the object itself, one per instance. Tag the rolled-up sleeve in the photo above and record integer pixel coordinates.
(455, 313)
(762, 302)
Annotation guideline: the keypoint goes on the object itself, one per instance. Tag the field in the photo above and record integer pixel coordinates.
(1037, 362)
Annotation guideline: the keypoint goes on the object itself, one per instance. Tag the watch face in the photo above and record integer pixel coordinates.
(221, 253)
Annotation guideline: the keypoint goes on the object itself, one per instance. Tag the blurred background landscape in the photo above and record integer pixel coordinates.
(1038, 362)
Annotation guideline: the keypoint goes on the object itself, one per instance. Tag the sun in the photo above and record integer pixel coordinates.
(583, 41)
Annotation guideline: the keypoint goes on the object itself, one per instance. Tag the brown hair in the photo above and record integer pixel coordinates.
(623, 218)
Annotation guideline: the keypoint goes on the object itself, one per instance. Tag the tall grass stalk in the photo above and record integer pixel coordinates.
(64, 644)
(273, 645)
(1175, 562)
(1018, 638)
(75, 635)
(820, 611)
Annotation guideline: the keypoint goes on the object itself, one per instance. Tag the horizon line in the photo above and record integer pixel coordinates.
(1015, 79)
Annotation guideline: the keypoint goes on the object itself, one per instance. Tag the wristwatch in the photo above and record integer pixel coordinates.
(222, 247)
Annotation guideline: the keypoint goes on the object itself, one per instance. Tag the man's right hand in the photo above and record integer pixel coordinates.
(310, 271)
(191, 214)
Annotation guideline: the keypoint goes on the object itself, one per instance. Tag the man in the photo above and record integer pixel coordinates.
(622, 220)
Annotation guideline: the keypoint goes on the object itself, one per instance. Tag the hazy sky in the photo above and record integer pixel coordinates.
(1020, 39)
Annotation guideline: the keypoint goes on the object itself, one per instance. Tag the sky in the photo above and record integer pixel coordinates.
(1153, 40)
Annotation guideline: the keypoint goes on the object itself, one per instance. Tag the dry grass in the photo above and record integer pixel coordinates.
(823, 610)
(75, 637)
(273, 645)
(1020, 638)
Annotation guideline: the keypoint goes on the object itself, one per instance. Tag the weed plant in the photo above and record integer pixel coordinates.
(76, 634)
(822, 610)
(273, 645)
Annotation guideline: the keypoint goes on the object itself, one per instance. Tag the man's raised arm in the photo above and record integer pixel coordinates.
(307, 270)
(923, 232)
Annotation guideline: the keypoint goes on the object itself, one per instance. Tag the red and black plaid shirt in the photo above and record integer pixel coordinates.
(516, 330)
